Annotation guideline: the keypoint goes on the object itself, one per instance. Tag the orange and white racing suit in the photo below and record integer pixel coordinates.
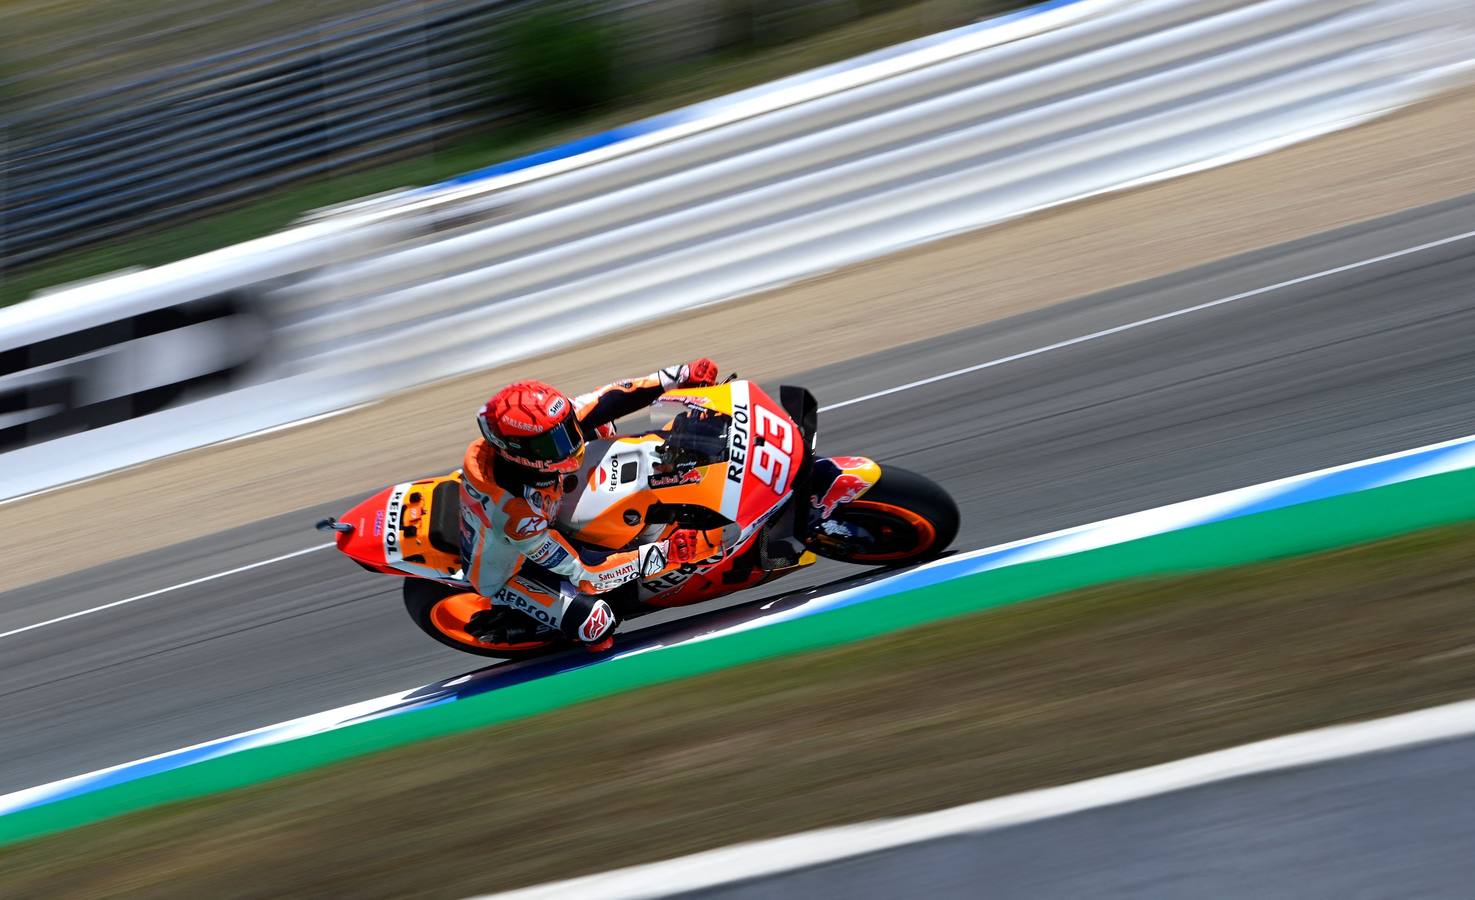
(505, 514)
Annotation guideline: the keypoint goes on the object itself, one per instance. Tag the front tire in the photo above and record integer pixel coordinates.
(443, 612)
(904, 518)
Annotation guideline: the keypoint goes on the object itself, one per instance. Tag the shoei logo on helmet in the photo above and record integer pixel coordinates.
(556, 407)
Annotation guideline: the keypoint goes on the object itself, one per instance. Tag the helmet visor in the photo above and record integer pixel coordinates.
(555, 445)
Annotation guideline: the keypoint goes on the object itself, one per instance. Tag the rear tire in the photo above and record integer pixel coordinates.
(907, 517)
(438, 609)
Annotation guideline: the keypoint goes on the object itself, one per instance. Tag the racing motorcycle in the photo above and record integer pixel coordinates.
(728, 459)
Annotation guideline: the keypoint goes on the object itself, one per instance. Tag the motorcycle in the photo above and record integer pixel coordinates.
(728, 459)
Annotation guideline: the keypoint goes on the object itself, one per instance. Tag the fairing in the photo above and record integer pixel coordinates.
(391, 533)
(623, 495)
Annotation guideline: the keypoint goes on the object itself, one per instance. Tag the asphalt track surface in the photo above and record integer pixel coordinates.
(1392, 825)
(1331, 370)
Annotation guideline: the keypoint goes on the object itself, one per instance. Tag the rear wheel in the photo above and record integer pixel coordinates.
(904, 518)
(443, 612)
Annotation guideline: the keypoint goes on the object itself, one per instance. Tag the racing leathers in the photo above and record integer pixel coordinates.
(506, 511)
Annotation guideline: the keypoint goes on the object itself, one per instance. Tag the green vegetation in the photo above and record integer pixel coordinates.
(642, 92)
(1071, 687)
(560, 63)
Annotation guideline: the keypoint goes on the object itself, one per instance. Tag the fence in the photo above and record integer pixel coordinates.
(807, 174)
(158, 148)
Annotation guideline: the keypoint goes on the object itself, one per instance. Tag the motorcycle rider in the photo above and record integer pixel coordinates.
(513, 479)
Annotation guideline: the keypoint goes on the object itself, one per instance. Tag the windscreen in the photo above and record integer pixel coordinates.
(693, 436)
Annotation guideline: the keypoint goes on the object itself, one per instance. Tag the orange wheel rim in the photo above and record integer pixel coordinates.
(926, 533)
(452, 614)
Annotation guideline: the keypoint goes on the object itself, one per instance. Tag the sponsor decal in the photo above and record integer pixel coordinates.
(615, 577)
(549, 554)
(843, 489)
(697, 402)
(541, 501)
(672, 479)
(738, 444)
(530, 526)
(850, 462)
(836, 529)
(519, 425)
(468, 537)
(557, 406)
(391, 522)
(680, 576)
(537, 592)
(469, 490)
(614, 474)
(378, 523)
(631, 517)
(508, 597)
(601, 619)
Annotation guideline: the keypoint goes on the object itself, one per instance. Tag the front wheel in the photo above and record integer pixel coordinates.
(904, 518)
(443, 612)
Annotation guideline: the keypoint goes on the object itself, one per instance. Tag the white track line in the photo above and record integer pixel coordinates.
(887, 392)
(1154, 319)
(173, 587)
(757, 859)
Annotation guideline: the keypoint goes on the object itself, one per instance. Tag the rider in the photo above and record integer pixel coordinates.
(513, 479)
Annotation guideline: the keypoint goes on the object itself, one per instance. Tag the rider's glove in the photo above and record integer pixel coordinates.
(702, 373)
(686, 544)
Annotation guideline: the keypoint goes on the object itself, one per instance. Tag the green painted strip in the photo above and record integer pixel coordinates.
(1311, 527)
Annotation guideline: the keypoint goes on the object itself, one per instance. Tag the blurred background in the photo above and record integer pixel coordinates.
(142, 133)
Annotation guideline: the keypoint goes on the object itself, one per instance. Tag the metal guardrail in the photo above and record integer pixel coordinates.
(290, 109)
(1158, 85)
(809, 174)
(198, 136)
(194, 137)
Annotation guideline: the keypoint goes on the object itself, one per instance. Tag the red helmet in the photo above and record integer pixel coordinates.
(533, 424)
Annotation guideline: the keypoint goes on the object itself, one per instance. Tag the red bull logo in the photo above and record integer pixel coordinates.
(845, 488)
